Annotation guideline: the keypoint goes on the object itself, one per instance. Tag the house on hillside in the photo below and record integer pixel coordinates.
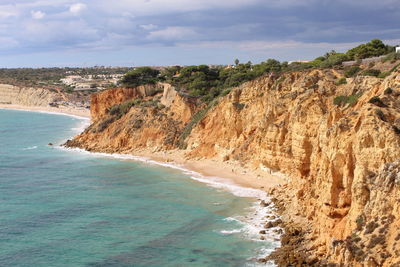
(397, 49)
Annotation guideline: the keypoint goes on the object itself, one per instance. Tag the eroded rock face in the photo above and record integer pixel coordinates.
(290, 124)
(101, 102)
(15, 95)
(148, 125)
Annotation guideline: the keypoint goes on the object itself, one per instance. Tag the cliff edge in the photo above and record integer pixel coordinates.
(337, 144)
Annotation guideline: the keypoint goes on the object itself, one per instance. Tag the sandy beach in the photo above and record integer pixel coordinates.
(81, 112)
(246, 177)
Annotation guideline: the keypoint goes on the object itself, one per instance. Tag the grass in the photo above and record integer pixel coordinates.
(371, 72)
(123, 108)
(341, 81)
(343, 100)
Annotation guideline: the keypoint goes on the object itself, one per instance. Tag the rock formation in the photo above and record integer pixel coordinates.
(15, 95)
(338, 144)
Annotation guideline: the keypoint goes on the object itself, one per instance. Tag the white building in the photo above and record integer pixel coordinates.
(398, 49)
(70, 80)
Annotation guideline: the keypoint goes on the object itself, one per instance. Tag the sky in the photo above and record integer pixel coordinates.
(84, 33)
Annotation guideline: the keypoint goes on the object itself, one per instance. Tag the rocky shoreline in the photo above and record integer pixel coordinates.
(294, 249)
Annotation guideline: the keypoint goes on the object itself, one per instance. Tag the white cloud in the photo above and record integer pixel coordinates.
(148, 27)
(56, 33)
(7, 11)
(37, 14)
(77, 8)
(172, 33)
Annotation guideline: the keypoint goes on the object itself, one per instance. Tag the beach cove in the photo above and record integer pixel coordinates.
(243, 217)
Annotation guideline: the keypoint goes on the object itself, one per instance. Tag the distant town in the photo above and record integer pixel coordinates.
(91, 81)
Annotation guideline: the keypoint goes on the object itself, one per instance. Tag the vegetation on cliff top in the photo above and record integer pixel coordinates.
(210, 82)
(140, 76)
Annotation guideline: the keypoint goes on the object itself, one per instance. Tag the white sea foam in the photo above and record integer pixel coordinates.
(231, 219)
(30, 148)
(81, 127)
(229, 232)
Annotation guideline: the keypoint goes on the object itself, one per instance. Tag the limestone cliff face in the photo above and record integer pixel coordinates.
(10, 94)
(154, 124)
(342, 160)
(291, 125)
(101, 102)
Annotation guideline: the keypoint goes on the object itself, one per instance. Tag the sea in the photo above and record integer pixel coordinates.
(68, 207)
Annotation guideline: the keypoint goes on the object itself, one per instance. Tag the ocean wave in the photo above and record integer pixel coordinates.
(81, 127)
(229, 232)
(30, 148)
(231, 219)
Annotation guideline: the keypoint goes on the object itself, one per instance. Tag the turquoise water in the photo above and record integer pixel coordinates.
(64, 208)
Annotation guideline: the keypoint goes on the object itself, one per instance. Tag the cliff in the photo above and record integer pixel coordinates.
(25, 96)
(338, 144)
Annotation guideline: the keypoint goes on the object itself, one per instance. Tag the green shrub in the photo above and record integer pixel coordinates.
(360, 222)
(226, 92)
(371, 49)
(371, 72)
(238, 106)
(352, 71)
(384, 74)
(104, 124)
(342, 100)
(123, 108)
(391, 56)
(114, 110)
(140, 76)
(341, 81)
(196, 118)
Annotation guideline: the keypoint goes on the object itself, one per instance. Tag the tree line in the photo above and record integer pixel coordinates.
(209, 82)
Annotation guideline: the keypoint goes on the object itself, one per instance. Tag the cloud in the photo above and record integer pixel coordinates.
(58, 35)
(8, 11)
(251, 28)
(37, 14)
(148, 27)
(172, 33)
(77, 8)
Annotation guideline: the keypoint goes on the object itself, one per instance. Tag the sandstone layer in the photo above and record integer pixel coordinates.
(341, 157)
(14, 95)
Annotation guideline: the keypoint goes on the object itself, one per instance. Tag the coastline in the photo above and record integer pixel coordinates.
(227, 175)
(78, 112)
(228, 170)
